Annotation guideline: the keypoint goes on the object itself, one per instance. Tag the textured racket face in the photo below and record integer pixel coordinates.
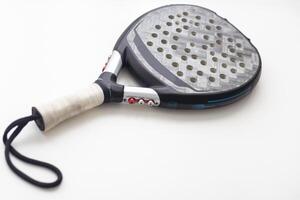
(191, 51)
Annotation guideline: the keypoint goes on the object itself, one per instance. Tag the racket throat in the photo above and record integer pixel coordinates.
(113, 92)
(114, 63)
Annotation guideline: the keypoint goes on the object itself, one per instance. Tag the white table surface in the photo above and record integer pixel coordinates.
(249, 150)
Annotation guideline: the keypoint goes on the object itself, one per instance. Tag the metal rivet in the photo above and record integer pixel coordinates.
(150, 103)
(141, 102)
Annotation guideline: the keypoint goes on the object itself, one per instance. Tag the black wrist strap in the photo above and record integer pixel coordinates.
(9, 149)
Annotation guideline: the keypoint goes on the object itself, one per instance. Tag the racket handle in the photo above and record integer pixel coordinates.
(61, 109)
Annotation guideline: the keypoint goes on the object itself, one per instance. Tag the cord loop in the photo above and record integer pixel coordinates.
(9, 149)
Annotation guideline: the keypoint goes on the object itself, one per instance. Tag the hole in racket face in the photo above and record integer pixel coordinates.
(193, 50)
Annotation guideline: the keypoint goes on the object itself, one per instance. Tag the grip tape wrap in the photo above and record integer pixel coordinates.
(69, 106)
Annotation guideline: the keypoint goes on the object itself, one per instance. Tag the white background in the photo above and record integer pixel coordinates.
(249, 150)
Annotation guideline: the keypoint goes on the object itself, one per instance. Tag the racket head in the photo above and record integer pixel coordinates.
(190, 56)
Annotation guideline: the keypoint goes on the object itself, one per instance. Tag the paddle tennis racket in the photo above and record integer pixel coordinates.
(187, 57)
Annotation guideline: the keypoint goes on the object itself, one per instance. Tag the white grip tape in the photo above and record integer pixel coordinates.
(69, 106)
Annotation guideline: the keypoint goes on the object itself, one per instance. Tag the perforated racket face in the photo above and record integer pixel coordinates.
(193, 50)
